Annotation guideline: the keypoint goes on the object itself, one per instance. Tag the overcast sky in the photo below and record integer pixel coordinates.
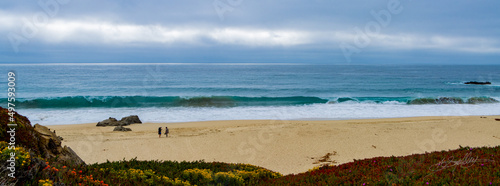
(250, 31)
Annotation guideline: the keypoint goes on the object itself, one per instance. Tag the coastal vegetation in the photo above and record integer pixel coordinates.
(37, 165)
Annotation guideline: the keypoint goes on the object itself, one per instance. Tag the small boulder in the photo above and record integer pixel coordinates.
(123, 129)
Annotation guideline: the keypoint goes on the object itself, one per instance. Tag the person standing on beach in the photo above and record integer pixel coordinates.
(159, 132)
(166, 132)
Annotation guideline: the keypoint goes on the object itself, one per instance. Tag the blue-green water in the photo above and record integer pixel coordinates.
(65, 94)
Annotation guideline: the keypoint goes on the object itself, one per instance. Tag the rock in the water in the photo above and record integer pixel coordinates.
(123, 129)
(478, 100)
(108, 122)
(478, 83)
(441, 100)
(50, 146)
(130, 120)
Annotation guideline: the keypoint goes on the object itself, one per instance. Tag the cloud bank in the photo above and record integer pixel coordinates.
(313, 32)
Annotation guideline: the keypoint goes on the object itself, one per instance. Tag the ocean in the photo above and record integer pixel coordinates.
(87, 93)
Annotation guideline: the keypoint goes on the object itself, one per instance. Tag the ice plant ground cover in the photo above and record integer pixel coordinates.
(133, 172)
(464, 166)
(469, 166)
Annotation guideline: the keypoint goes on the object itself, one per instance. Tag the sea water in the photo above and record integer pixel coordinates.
(88, 93)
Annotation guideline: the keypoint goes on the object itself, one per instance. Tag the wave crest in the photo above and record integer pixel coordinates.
(230, 101)
(452, 100)
(167, 101)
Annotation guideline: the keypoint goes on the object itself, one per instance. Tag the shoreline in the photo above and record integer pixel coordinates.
(303, 112)
(298, 119)
(285, 146)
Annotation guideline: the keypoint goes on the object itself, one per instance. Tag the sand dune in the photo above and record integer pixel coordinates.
(283, 146)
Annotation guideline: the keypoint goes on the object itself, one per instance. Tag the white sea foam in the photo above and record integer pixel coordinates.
(316, 111)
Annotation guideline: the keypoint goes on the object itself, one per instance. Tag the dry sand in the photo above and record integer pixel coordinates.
(283, 146)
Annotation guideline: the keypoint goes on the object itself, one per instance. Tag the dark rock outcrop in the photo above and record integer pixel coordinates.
(108, 122)
(477, 83)
(441, 100)
(123, 129)
(42, 144)
(50, 146)
(130, 120)
(123, 122)
(38, 139)
(479, 100)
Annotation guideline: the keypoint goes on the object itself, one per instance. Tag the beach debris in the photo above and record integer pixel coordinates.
(374, 146)
(497, 119)
(477, 83)
(133, 119)
(50, 146)
(326, 159)
(121, 128)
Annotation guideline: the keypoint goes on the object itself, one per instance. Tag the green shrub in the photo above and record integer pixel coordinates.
(199, 176)
(227, 178)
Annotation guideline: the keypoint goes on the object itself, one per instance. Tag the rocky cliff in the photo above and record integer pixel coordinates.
(39, 139)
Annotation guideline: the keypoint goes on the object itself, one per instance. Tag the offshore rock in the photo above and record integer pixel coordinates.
(477, 83)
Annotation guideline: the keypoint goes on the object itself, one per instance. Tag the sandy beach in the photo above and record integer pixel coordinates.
(283, 146)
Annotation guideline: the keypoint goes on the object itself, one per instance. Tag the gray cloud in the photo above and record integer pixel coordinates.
(277, 31)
